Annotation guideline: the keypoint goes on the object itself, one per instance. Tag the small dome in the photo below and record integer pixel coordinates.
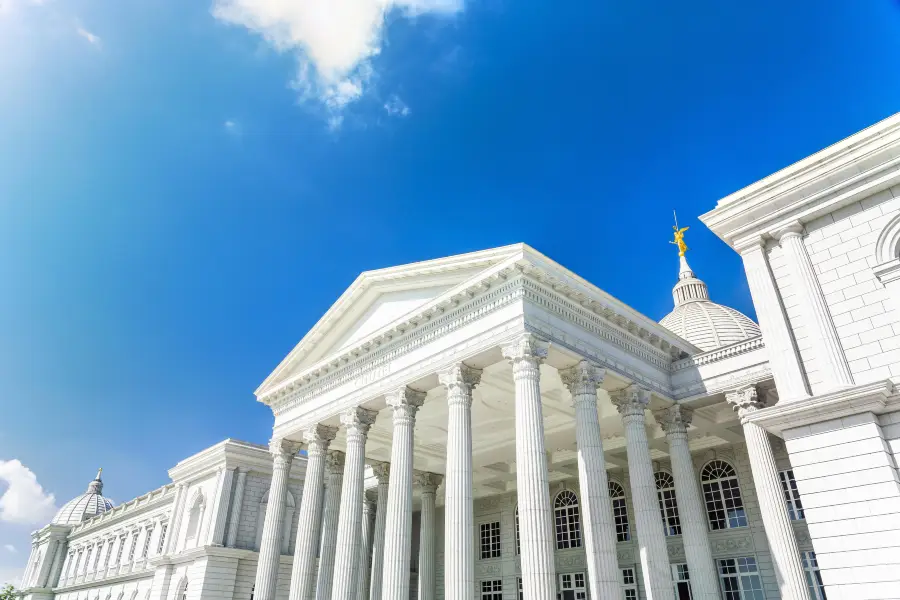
(703, 323)
(88, 505)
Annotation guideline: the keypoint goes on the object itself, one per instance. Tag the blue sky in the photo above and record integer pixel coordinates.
(185, 187)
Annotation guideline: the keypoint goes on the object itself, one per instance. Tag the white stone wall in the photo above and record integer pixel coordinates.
(841, 246)
(739, 542)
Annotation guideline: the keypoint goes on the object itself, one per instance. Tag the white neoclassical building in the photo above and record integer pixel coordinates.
(491, 426)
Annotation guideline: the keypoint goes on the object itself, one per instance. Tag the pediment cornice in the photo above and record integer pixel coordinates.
(363, 362)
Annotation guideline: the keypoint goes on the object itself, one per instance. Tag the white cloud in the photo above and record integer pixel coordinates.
(92, 39)
(10, 548)
(24, 500)
(396, 107)
(11, 575)
(334, 41)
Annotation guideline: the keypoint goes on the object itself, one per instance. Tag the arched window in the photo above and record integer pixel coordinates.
(620, 513)
(518, 544)
(568, 520)
(181, 592)
(668, 505)
(722, 494)
(195, 516)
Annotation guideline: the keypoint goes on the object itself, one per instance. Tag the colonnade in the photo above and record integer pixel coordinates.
(345, 572)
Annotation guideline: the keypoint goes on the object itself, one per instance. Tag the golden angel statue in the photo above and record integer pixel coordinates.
(679, 239)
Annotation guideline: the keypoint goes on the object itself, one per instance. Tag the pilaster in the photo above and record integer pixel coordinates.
(237, 504)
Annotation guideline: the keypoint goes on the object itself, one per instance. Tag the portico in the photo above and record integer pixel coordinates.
(501, 372)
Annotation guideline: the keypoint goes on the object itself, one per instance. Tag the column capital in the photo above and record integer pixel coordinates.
(794, 229)
(320, 435)
(282, 448)
(745, 400)
(428, 482)
(334, 460)
(460, 377)
(405, 402)
(583, 378)
(358, 420)
(675, 419)
(381, 470)
(527, 348)
(631, 401)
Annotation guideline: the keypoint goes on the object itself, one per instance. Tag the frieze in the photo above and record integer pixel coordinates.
(625, 556)
(676, 550)
(570, 561)
(733, 544)
(492, 569)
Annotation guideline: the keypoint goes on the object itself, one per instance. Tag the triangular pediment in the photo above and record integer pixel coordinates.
(381, 298)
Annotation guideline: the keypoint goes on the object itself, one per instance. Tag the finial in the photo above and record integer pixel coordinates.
(679, 237)
(99, 472)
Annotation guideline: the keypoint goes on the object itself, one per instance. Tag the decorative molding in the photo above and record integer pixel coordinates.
(718, 354)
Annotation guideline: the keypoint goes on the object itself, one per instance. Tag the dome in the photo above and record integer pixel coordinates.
(702, 322)
(88, 505)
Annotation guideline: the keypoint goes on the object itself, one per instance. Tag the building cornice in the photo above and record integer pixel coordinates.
(854, 168)
(879, 397)
(137, 506)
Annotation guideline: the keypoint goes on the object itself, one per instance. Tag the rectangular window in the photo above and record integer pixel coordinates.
(521, 591)
(492, 590)
(629, 585)
(724, 505)
(813, 576)
(668, 508)
(162, 538)
(740, 579)
(572, 586)
(134, 538)
(620, 515)
(119, 551)
(148, 533)
(87, 558)
(791, 495)
(682, 579)
(99, 551)
(490, 540)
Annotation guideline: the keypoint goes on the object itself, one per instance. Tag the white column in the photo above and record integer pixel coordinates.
(44, 568)
(346, 564)
(784, 360)
(697, 552)
(532, 479)
(779, 532)
(815, 315)
(58, 561)
(236, 504)
(220, 510)
(597, 514)
(405, 402)
(428, 484)
(283, 453)
(328, 547)
(631, 403)
(303, 571)
(382, 474)
(459, 522)
(365, 549)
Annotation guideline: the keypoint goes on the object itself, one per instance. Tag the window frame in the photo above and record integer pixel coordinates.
(792, 500)
(813, 575)
(494, 593)
(494, 546)
(741, 574)
(629, 583)
(718, 493)
(668, 502)
(620, 511)
(567, 520)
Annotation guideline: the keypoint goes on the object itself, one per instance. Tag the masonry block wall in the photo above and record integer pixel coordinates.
(841, 246)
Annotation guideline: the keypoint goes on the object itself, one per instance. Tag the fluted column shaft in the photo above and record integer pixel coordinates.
(428, 483)
(327, 548)
(346, 564)
(784, 358)
(174, 522)
(597, 513)
(220, 510)
(58, 561)
(365, 549)
(236, 504)
(779, 532)
(382, 473)
(532, 479)
(303, 571)
(691, 512)
(651, 537)
(398, 528)
(827, 347)
(270, 545)
(459, 522)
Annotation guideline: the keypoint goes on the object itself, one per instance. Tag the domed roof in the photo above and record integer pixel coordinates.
(703, 323)
(89, 504)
